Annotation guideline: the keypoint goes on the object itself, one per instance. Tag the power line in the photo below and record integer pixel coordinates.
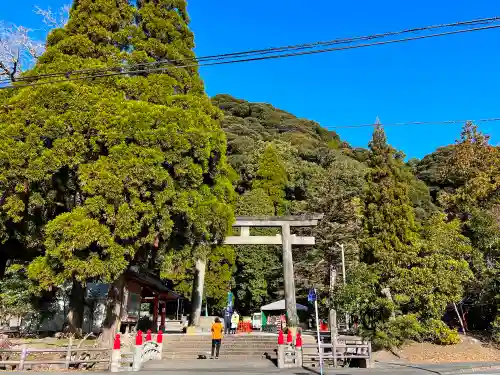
(287, 55)
(418, 123)
(269, 50)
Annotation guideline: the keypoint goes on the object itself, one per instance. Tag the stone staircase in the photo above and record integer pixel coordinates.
(254, 346)
(234, 347)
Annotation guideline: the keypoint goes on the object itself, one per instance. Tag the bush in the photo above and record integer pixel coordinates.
(437, 332)
(397, 332)
(496, 329)
(405, 328)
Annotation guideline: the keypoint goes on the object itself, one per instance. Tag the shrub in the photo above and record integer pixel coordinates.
(437, 332)
(397, 332)
(405, 328)
(496, 329)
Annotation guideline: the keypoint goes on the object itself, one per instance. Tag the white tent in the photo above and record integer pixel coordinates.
(280, 305)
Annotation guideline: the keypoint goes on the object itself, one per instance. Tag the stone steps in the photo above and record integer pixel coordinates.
(234, 347)
(225, 348)
(222, 356)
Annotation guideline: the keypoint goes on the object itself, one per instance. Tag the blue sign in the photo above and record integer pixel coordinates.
(311, 297)
(229, 299)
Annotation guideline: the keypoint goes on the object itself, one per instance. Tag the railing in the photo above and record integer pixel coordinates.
(345, 351)
(289, 351)
(147, 347)
(70, 359)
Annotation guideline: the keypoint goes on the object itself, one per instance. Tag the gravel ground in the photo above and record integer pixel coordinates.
(469, 350)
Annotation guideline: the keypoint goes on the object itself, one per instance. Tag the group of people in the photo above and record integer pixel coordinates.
(231, 320)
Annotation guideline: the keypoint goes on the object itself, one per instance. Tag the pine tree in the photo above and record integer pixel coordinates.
(123, 167)
(391, 231)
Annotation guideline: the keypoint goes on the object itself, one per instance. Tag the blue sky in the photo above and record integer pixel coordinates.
(455, 77)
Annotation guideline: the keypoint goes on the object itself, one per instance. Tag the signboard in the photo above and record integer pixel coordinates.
(311, 297)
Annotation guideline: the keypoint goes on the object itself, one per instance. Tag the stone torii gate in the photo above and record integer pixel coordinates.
(286, 239)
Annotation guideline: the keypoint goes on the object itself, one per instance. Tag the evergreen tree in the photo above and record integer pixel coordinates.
(391, 231)
(123, 167)
(272, 177)
(472, 167)
(412, 272)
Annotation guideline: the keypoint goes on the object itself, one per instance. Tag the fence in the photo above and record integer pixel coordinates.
(71, 356)
(292, 353)
(117, 360)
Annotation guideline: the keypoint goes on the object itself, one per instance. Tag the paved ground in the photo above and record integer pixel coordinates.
(207, 367)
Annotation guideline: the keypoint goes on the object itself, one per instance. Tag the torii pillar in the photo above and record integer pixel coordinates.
(286, 239)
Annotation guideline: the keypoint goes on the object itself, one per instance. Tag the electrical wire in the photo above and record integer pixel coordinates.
(275, 49)
(412, 123)
(287, 55)
(265, 51)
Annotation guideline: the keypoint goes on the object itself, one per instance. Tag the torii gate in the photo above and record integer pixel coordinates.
(286, 239)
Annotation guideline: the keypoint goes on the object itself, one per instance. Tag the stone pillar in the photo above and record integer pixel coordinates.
(281, 356)
(116, 355)
(137, 359)
(159, 341)
(298, 357)
(288, 274)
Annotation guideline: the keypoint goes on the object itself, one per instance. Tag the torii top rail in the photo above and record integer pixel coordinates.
(286, 239)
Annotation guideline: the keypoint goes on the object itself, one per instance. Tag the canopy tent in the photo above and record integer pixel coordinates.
(280, 305)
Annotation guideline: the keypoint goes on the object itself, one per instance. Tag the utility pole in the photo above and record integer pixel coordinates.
(344, 279)
(332, 313)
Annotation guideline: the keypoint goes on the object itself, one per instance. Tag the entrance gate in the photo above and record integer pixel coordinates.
(286, 239)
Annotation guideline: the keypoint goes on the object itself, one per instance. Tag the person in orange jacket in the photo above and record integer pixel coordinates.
(217, 330)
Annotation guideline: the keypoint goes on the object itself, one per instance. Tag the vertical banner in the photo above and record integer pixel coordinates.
(230, 300)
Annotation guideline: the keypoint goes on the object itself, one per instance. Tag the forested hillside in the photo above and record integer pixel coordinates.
(138, 168)
(419, 236)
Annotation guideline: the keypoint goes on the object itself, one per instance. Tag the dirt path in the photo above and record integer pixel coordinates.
(469, 350)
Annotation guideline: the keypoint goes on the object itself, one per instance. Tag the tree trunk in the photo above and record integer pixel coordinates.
(387, 293)
(114, 311)
(3, 264)
(76, 308)
(197, 295)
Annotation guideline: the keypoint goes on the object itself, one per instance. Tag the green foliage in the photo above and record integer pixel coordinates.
(472, 166)
(220, 268)
(496, 329)
(120, 169)
(464, 181)
(391, 231)
(259, 271)
(272, 178)
(246, 124)
(406, 328)
(177, 266)
(397, 332)
(336, 193)
(425, 266)
(437, 276)
(16, 298)
(438, 332)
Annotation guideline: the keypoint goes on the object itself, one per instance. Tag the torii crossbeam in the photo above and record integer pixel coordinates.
(286, 239)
